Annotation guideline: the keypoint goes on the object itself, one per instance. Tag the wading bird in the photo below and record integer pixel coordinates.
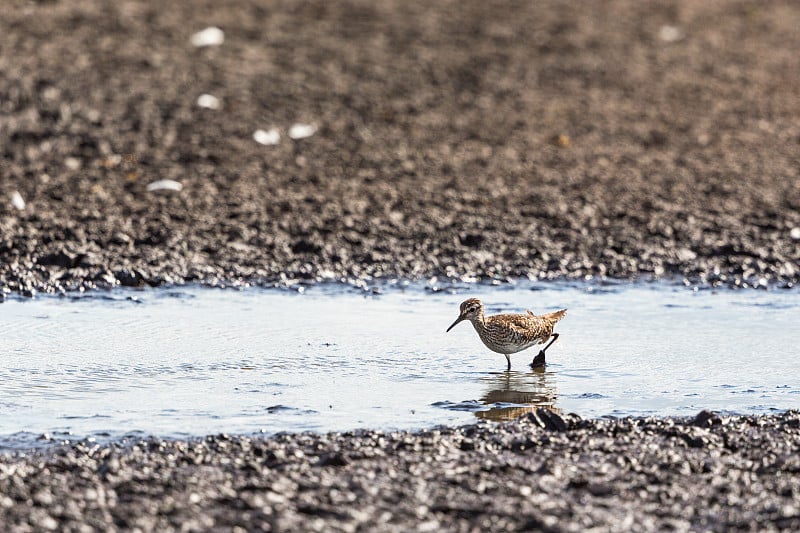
(511, 333)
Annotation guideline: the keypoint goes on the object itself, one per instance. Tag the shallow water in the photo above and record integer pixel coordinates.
(196, 361)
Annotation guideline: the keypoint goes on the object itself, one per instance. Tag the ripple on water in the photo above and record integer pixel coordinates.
(467, 405)
(591, 396)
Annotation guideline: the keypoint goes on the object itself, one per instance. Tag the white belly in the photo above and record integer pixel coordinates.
(509, 348)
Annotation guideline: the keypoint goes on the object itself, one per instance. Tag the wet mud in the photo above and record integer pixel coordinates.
(543, 472)
(459, 139)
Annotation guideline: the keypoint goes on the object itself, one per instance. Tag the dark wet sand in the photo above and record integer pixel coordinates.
(491, 139)
(540, 473)
(494, 139)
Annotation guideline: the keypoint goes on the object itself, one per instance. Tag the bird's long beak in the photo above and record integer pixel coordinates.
(459, 319)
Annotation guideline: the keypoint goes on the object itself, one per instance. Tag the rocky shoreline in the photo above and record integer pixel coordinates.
(542, 472)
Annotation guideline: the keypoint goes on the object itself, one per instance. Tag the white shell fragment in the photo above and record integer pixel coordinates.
(208, 37)
(17, 201)
(208, 101)
(670, 34)
(795, 234)
(165, 185)
(301, 131)
(269, 137)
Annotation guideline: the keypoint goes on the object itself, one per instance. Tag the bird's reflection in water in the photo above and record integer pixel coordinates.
(510, 395)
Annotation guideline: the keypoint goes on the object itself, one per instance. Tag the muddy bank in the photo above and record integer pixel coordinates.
(543, 472)
(473, 139)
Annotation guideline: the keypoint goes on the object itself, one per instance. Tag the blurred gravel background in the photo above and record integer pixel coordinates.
(460, 139)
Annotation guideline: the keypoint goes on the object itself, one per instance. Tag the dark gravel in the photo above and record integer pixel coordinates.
(543, 472)
(542, 139)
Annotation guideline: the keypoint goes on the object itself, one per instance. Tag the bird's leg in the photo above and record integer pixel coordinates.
(539, 359)
(552, 340)
(508, 358)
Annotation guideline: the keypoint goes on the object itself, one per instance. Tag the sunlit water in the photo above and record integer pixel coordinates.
(193, 361)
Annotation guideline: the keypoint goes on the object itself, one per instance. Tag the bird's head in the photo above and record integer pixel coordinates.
(471, 309)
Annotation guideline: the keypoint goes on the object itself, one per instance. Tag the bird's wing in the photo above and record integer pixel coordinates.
(554, 317)
(528, 327)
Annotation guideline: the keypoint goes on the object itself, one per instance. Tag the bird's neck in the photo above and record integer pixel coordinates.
(479, 323)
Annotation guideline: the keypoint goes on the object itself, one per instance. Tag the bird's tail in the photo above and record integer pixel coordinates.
(555, 316)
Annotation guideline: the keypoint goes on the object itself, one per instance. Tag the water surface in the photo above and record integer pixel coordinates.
(196, 361)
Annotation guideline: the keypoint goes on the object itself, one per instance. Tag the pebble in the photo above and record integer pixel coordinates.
(670, 34)
(211, 36)
(301, 131)
(165, 185)
(17, 201)
(267, 137)
(208, 101)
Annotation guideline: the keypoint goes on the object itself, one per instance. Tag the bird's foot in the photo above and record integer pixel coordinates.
(538, 361)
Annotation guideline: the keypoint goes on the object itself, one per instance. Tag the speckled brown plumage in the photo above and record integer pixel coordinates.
(510, 333)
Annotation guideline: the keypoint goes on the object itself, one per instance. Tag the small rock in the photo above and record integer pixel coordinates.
(685, 255)
(130, 278)
(471, 240)
(705, 419)
(549, 420)
(120, 238)
(104, 276)
(795, 234)
(208, 37)
(165, 185)
(47, 523)
(305, 246)
(267, 137)
(58, 259)
(694, 441)
(301, 131)
(333, 459)
(670, 34)
(600, 488)
(17, 201)
(208, 101)
(43, 498)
